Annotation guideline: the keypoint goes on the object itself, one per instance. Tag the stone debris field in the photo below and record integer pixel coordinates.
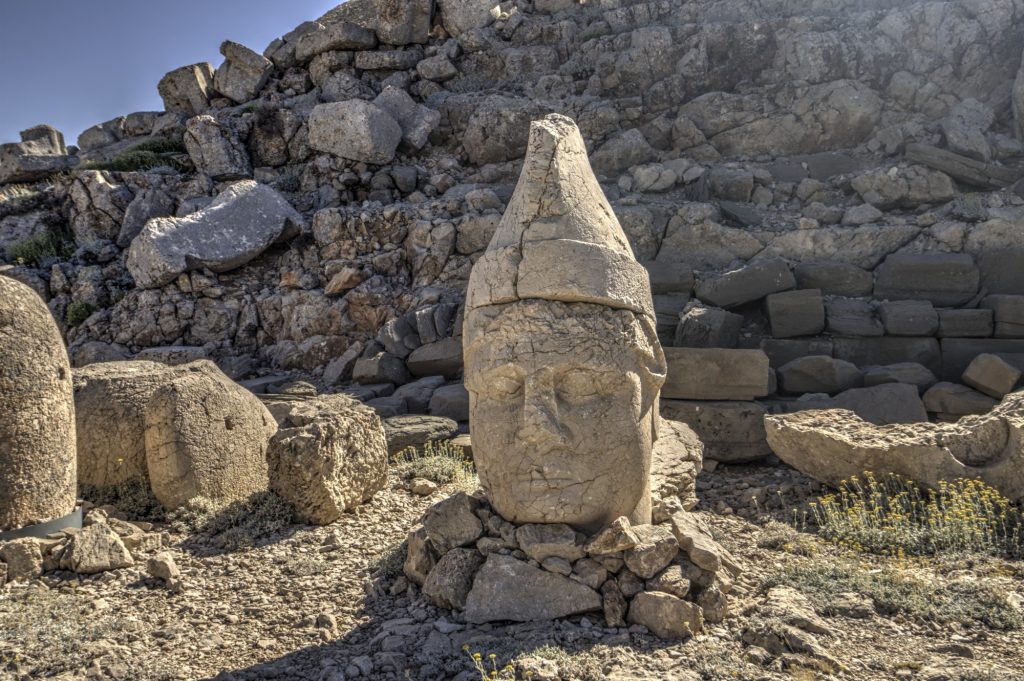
(561, 340)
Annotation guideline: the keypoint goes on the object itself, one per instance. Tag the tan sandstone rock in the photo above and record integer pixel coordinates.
(329, 456)
(37, 412)
(563, 363)
(833, 445)
(206, 436)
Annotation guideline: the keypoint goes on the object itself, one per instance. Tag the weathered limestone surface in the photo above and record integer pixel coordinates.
(238, 226)
(833, 445)
(37, 412)
(243, 73)
(563, 364)
(328, 456)
(188, 89)
(206, 436)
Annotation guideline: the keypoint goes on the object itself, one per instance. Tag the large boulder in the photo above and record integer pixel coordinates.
(37, 412)
(329, 456)
(110, 404)
(499, 129)
(216, 150)
(238, 226)
(416, 120)
(41, 152)
(397, 22)
(188, 89)
(459, 16)
(357, 130)
(206, 436)
(834, 445)
(243, 73)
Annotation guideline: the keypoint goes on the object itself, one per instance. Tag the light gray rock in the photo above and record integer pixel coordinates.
(40, 153)
(904, 187)
(655, 549)
(450, 401)
(188, 89)
(880, 404)
(665, 615)
(396, 22)
(96, 548)
(241, 223)
(509, 589)
(716, 374)
(216, 150)
(243, 73)
(416, 120)
(852, 317)
(356, 130)
(956, 400)
(701, 326)
(499, 128)
(991, 375)
(416, 430)
(453, 523)
(749, 283)
(450, 581)
(23, 559)
(147, 204)
(818, 374)
(37, 412)
(555, 540)
(834, 278)
(460, 16)
(340, 35)
(904, 372)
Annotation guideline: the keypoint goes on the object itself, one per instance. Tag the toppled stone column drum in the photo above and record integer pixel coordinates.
(37, 413)
(563, 364)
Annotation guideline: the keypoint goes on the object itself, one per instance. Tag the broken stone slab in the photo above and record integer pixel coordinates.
(329, 455)
(834, 278)
(989, 176)
(450, 581)
(676, 460)
(555, 540)
(909, 317)
(911, 373)
(818, 374)
(509, 589)
(944, 279)
(340, 35)
(94, 549)
(747, 284)
(956, 400)
(834, 445)
(1008, 314)
(188, 89)
(241, 223)
(958, 353)
(206, 436)
(656, 547)
(796, 313)
(22, 558)
(966, 323)
(716, 374)
(40, 154)
(732, 432)
(37, 413)
(450, 401)
(992, 375)
(904, 187)
(243, 73)
(781, 351)
(665, 615)
(442, 358)
(356, 130)
(701, 326)
(415, 430)
(852, 317)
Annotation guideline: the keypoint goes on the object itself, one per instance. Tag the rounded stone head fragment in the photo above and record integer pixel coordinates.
(563, 363)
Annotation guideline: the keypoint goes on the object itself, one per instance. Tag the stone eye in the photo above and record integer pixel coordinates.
(576, 384)
(504, 386)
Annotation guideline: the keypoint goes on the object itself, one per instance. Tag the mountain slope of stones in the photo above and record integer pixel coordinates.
(826, 197)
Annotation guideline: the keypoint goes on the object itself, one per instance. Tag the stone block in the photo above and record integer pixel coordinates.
(819, 374)
(443, 358)
(188, 89)
(747, 284)
(992, 375)
(707, 327)
(784, 350)
(978, 323)
(879, 404)
(852, 317)
(911, 373)
(1008, 314)
(356, 130)
(451, 401)
(796, 313)
(415, 431)
(243, 73)
(879, 351)
(341, 35)
(380, 368)
(958, 353)
(716, 374)
(954, 399)
(732, 432)
(944, 279)
(909, 317)
(834, 278)
(512, 590)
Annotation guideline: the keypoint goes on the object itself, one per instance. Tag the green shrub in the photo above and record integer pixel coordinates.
(78, 311)
(41, 250)
(442, 462)
(895, 593)
(239, 525)
(134, 498)
(153, 153)
(894, 516)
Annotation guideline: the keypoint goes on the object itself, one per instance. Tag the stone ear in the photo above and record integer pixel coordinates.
(654, 371)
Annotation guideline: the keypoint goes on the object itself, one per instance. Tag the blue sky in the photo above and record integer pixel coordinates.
(75, 63)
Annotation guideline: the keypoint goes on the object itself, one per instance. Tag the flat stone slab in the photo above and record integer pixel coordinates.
(747, 284)
(944, 279)
(237, 227)
(506, 589)
(415, 430)
(716, 374)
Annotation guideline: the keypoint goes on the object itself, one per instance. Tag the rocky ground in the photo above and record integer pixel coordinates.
(329, 603)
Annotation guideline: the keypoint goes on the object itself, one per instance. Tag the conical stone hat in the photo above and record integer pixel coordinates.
(559, 239)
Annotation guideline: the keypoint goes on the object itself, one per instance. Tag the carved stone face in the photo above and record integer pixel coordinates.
(562, 398)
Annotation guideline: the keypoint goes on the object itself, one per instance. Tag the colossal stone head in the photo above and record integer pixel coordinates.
(563, 364)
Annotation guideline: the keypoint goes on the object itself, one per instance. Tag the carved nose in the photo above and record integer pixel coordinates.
(540, 418)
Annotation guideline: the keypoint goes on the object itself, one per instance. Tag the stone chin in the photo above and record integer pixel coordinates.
(563, 403)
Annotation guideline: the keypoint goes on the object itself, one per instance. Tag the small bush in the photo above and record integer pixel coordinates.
(442, 462)
(78, 311)
(896, 593)
(41, 250)
(154, 153)
(134, 498)
(388, 564)
(239, 525)
(161, 145)
(894, 516)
